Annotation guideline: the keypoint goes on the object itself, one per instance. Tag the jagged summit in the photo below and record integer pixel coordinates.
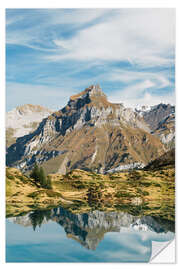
(93, 95)
(91, 91)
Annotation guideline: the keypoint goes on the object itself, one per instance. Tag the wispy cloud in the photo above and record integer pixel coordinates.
(130, 52)
(129, 35)
(129, 76)
(39, 28)
(139, 94)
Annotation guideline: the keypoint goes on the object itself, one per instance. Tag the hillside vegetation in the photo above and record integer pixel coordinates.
(148, 192)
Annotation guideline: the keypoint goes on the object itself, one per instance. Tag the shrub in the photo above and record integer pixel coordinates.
(134, 175)
(33, 195)
(145, 193)
(11, 177)
(48, 183)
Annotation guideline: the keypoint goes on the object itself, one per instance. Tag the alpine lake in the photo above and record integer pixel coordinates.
(112, 220)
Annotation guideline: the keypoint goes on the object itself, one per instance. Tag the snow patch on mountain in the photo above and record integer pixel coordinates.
(24, 119)
(130, 166)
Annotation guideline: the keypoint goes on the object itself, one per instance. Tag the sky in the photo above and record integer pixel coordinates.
(52, 54)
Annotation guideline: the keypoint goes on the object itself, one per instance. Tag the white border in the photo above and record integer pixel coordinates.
(76, 4)
(90, 4)
(2, 134)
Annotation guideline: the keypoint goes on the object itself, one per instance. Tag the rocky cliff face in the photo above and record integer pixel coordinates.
(166, 131)
(23, 120)
(89, 133)
(155, 114)
(161, 121)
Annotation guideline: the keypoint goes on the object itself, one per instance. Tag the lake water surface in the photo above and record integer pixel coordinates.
(58, 235)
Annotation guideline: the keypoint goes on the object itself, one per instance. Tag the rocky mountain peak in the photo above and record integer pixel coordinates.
(88, 133)
(93, 92)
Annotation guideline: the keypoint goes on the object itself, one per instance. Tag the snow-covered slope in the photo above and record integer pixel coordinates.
(24, 119)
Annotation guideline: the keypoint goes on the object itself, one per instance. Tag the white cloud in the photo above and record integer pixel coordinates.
(147, 99)
(160, 79)
(47, 21)
(138, 94)
(74, 16)
(142, 36)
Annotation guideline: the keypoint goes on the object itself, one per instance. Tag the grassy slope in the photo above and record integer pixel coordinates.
(150, 191)
(22, 193)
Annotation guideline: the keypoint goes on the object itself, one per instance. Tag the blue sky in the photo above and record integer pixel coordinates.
(54, 53)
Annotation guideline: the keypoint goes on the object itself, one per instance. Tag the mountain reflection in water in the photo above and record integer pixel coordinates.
(90, 228)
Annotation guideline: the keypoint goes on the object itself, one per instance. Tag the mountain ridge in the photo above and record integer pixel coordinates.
(88, 133)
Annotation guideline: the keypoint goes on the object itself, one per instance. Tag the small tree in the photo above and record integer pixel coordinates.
(42, 177)
(35, 173)
(49, 183)
(39, 176)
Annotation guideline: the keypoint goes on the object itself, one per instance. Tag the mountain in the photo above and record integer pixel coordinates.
(167, 159)
(153, 115)
(22, 120)
(89, 133)
(166, 131)
(161, 120)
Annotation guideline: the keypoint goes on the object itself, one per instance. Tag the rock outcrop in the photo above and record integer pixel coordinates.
(161, 121)
(131, 166)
